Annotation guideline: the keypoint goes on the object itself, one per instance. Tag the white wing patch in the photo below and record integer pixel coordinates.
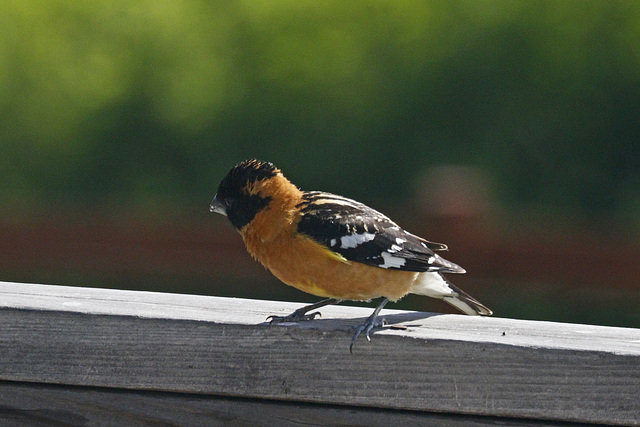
(455, 268)
(353, 240)
(336, 200)
(391, 262)
(394, 249)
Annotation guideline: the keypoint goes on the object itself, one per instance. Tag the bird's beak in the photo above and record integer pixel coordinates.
(217, 206)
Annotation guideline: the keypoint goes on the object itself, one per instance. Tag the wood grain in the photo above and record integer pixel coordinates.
(221, 346)
(34, 405)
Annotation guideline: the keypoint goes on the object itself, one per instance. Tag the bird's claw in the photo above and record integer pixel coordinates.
(293, 317)
(366, 328)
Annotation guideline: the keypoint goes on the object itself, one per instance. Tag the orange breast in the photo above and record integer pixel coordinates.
(300, 262)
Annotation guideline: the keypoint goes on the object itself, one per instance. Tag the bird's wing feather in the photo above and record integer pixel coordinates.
(362, 234)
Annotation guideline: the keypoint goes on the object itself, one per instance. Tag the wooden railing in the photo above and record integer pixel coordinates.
(79, 355)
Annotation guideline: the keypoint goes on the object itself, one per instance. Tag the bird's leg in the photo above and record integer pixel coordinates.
(369, 324)
(301, 313)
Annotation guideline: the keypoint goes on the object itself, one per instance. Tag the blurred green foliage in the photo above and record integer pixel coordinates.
(156, 100)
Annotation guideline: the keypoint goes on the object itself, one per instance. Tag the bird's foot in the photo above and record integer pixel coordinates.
(300, 315)
(297, 316)
(371, 322)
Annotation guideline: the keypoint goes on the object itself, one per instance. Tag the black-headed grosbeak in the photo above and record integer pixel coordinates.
(331, 246)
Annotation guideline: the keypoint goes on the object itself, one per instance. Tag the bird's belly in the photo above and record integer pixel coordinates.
(314, 269)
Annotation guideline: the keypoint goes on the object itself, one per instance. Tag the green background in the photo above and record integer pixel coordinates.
(141, 107)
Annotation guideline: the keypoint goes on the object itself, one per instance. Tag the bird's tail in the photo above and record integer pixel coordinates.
(466, 303)
(434, 285)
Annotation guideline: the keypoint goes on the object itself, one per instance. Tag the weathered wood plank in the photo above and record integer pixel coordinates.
(221, 346)
(23, 404)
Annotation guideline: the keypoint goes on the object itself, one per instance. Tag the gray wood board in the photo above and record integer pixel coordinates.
(46, 405)
(439, 363)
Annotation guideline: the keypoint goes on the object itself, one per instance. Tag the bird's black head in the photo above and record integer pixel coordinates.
(236, 198)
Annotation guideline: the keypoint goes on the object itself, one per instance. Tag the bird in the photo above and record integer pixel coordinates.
(332, 246)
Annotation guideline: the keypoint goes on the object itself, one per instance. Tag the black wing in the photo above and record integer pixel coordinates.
(364, 235)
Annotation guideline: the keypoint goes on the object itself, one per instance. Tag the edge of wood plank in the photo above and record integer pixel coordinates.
(420, 325)
(223, 346)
